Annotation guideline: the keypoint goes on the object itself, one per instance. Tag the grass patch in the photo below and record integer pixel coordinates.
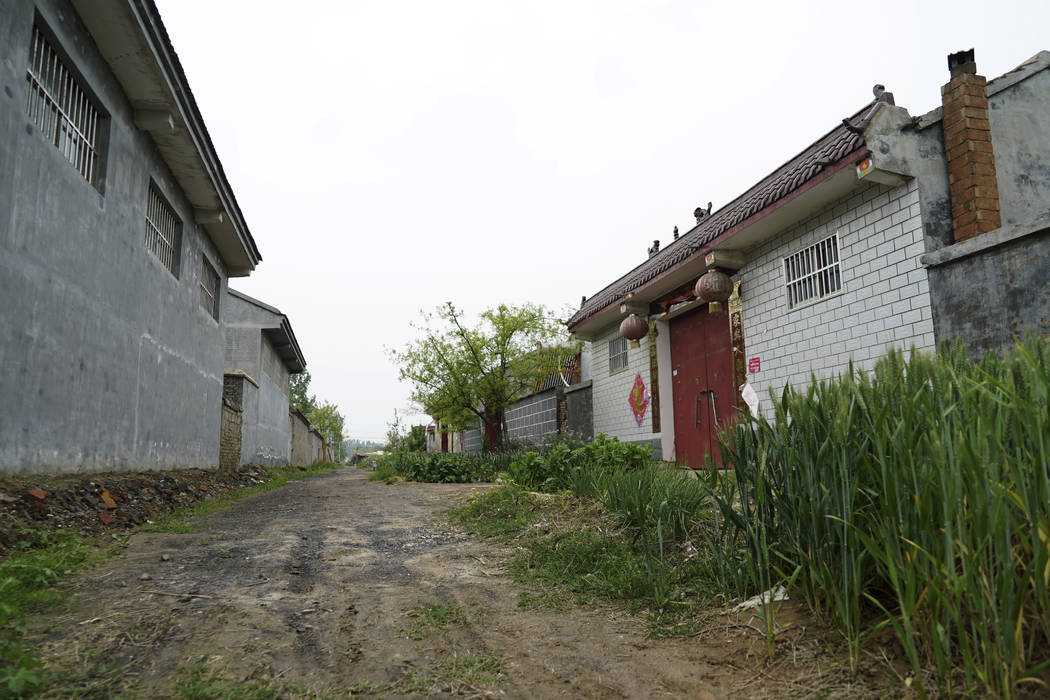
(201, 681)
(385, 472)
(551, 600)
(179, 521)
(27, 578)
(472, 670)
(431, 617)
(501, 512)
(577, 551)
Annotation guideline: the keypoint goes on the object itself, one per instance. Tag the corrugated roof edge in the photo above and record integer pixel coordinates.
(781, 182)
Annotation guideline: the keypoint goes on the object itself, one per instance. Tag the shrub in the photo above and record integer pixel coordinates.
(439, 467)
(560, 468)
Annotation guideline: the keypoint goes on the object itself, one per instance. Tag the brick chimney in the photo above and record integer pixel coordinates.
(968, 144)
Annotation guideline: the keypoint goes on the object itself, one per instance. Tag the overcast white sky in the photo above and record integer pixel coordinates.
(391, 155)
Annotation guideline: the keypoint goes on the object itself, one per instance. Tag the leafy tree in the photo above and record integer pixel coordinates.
(416, 440)
(412, 439)
(298, 386)
(328, 421)
(462, 373)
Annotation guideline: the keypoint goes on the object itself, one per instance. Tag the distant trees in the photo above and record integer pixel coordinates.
(401, 437)
(323, 416)
(462, 373)
(298, 393)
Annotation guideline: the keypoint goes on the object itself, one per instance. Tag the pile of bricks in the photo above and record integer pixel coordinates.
(98, 503)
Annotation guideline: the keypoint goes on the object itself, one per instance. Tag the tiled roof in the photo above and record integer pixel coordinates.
(832, 147)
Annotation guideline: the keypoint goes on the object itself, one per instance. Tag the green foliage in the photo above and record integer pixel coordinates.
(329, 422)
(573, 549)
(440, 467)
(461, 373)
(653, 499)
(916, 497)
(558, 467)
(298, 393)
(26, 579)
(433, 617)
(405, 438)
(202, 681)
(472, 670)
(385, 472)
(499, 512)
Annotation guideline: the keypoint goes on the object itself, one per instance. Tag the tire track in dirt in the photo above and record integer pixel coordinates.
(315, 584)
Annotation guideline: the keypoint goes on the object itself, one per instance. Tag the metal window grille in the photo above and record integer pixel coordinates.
(209, 289)
(162, 231)
(61, 108)
(617, 354)
(813, 273)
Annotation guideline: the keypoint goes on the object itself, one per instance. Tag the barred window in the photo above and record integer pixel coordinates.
(617, 354)
(813, 273)
(209, 285)
(60, 106)
(163, 231)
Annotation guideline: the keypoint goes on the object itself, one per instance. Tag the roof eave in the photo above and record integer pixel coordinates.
(132, 40)
(287, 347)
(830, 184)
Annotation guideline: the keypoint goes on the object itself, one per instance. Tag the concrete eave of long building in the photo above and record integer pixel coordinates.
(133, 41)
(279, 334)
(837, 181)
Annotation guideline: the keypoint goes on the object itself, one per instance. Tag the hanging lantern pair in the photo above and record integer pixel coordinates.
(634, 328)
(714, 288)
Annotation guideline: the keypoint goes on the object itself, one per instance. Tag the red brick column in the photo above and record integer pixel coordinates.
(968, 144)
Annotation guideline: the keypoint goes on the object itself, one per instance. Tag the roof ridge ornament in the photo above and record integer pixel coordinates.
(881, 95)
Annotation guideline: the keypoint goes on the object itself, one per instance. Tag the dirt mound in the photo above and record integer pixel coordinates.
(96, 504)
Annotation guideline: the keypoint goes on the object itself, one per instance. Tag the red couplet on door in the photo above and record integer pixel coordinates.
(702, 383)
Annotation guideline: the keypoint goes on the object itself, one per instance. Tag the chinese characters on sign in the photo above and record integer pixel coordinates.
(754, 365)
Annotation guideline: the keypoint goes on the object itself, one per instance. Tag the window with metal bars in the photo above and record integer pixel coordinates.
(209, 286)
(59, 105)
(163, 231)
(617, 354)
(813, 273)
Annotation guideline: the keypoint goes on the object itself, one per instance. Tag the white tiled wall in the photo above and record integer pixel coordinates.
(884, 301)
(612, 413)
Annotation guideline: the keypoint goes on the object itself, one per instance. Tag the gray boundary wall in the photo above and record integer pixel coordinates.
(534, 418)
(110, 363)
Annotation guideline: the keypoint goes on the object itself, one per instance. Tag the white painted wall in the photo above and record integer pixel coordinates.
(612, 413)
(884, 302)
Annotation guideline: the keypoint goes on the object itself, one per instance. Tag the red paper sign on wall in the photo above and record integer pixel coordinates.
(754, 365)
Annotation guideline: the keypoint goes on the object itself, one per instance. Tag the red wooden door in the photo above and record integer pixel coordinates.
(704, 396)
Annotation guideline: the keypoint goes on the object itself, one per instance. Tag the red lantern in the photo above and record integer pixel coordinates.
(634, 328)
(714, 287)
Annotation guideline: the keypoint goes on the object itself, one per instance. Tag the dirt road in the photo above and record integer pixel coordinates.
(320, 585)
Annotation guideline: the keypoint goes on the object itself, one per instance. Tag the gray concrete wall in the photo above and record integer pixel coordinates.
(305, 445)
(533, 418)
(109, 360)
(989, 298)
(266, 433)
(579, 411)
(982, 291)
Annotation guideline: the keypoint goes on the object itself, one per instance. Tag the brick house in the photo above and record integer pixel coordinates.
(833, 259)
(261, 354)
(118, 233)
